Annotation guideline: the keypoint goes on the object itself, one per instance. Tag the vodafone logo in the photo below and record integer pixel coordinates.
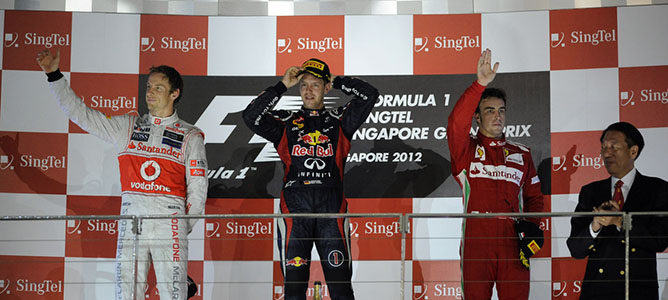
(594, 38)
(150, 170)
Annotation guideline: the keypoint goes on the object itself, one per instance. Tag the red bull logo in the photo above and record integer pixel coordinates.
(297, 262)
(298, 122)
(314, 138)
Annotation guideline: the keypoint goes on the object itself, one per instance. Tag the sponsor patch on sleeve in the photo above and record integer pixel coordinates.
(197, 163)
(535, 180)
(197, 172)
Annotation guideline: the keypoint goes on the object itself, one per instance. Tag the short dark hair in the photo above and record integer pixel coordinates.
(173, 76)
(491, 92)
(631, 133)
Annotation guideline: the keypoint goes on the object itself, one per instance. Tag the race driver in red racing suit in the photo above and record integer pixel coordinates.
(162, 164)
(496, 176)
(313, 144)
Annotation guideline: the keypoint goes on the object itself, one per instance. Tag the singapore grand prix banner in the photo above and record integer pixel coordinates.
(402, 146)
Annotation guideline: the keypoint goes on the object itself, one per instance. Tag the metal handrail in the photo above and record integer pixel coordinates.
(403, 219)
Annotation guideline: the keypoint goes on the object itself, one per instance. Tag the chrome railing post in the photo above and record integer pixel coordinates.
(627, 228)
(403, 221)
(136, 230)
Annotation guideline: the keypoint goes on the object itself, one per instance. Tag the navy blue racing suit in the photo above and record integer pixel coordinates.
(313, 145)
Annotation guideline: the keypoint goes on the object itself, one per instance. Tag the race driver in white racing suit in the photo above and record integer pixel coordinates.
(162, 165)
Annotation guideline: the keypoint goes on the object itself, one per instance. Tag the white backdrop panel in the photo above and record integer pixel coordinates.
(34, 238)
(582, 100)
(244, 46)
(643, 38)
(28, 105)
(117, 51)
(379, 45)
(519, 40)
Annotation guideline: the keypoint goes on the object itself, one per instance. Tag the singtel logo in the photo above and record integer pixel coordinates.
(562, 288)
(249, 230)
(32, 38)
(170, 43)
(106, 226)
(375, 228)
(646, 95)
(578, 160)
(443, 42)
(594, 38)
(440, 289)
(305, 43)
(120, 102)
(30, 161)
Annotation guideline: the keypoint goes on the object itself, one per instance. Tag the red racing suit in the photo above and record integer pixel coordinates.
(496, 176)
(162, 164)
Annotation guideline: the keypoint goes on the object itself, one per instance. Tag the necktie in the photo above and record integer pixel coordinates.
(618, 196)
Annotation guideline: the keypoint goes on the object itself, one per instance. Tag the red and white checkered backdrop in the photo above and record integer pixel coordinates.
(571, 72)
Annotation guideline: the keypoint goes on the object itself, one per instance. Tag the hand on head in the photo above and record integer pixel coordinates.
(292, 76)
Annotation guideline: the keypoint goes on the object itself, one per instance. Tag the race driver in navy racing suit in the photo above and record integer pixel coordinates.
(313, 144)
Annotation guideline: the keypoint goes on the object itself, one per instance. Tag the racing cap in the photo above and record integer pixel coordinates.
(317, 68)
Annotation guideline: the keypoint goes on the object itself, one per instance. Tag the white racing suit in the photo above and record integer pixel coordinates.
(162, 164)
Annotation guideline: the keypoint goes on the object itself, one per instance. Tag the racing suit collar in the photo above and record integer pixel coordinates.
(164, 121)
(312, 112)
(491, 142)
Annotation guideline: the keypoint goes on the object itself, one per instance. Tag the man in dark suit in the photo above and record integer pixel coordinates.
(602, 238)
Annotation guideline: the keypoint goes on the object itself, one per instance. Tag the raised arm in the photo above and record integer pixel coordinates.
(258, 115)
(108, 128)
(460, 119)
(355, 112)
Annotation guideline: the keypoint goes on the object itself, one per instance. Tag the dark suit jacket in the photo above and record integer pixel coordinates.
(604, 276)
